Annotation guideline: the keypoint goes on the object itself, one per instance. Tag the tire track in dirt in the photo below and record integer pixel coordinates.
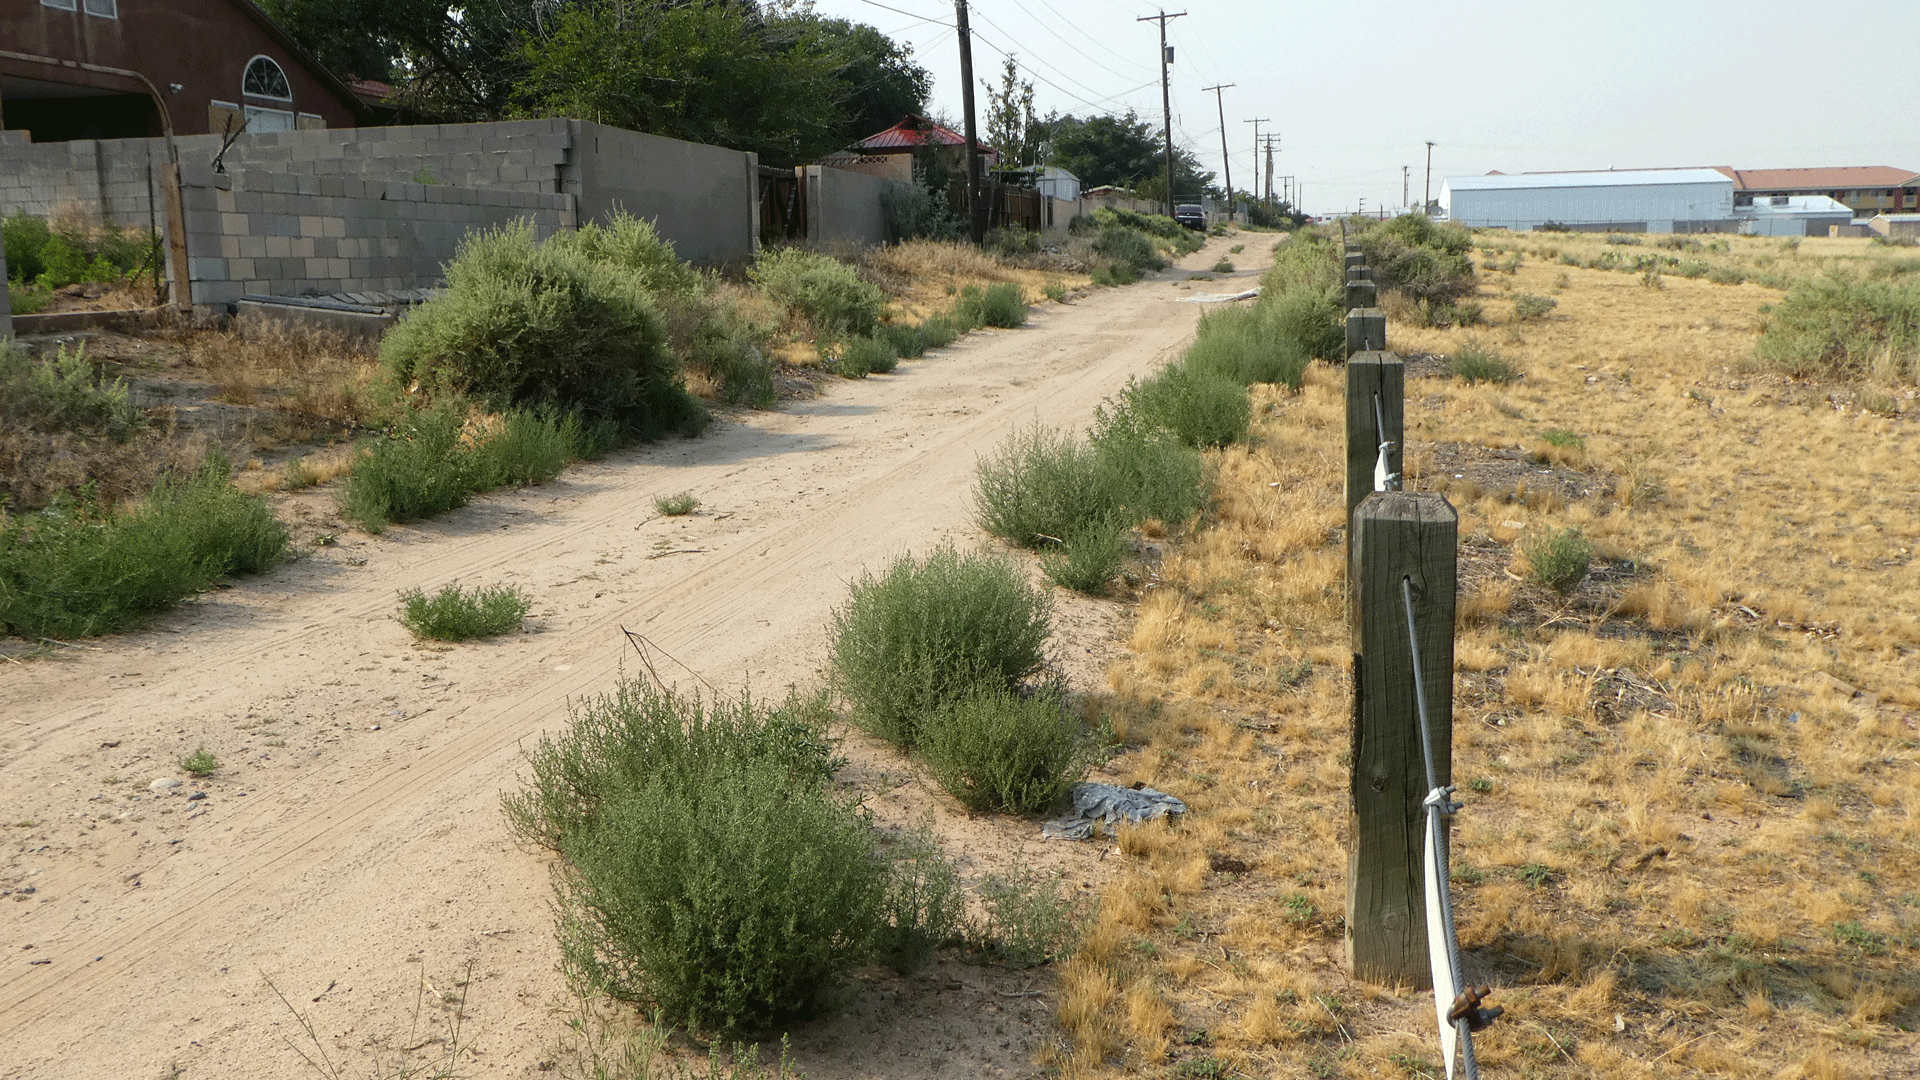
(880, 467)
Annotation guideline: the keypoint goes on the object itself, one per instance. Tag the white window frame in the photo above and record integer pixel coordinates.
(260, 119)
(92, 7)
(61, 5)
(277, 67)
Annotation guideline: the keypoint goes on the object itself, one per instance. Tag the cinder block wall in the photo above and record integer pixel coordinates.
(393, 202)
(283, 234)
(704, 199)
(845, 209)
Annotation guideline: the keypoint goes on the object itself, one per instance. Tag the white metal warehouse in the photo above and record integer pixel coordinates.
(1649, 200)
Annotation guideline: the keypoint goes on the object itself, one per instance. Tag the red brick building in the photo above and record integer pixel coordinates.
(107, 69)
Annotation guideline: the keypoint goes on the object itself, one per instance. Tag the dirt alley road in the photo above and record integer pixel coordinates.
(352, 844)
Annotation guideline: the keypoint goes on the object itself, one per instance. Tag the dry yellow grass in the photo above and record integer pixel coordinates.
(1691, 789)
(921, 277)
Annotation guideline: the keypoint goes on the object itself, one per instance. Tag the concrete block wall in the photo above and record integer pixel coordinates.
(704, 199)
(286, 234)
(114, 181)
(846, 210)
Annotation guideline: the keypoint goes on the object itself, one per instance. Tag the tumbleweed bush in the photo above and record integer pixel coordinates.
(996, 749)
(710, 870)
(929, 631)
(457, 614)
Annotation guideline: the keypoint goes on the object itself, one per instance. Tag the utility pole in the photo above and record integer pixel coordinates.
(1426, 196)
(1166, 100)
(1270, 141)
(1405, 170)
(976, 218)
(1253, 189)
(1225, 159)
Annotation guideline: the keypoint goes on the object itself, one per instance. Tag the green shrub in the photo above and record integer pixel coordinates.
(1089, 557)
(1845, 328)
(63, 393)
(1203, 408)
(1128, 247)
(1623, 239)
(200, 763)
(456, 614)
(27, 300)
(1114, 274)
(1557, 437)
(73, 571)
(924, 906)
(994, 749)
(711, 337)
(1424, 259)
(865, 355)
(529, 447)
(711, 872)
(24, 236)
(929, 632)
(1528, 307)
(998, 305)
(676, 505)
(543, 325)
(1244, 343)
(1726, 275)
(633, 245)
(416, 469)
(1224, 266)
(907, 341)
(940, 332)
(1557, 559)
(1055, 291)
(826, 294)
(1011, 242)
(1142, 471)
(1031, 918)
(1307, 325)
(1476, 363)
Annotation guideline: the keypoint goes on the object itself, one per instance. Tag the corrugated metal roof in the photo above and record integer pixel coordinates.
(1832, 179)
(914, 131)
(1619, 178)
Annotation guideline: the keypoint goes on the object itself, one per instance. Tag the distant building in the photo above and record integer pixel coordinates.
(1864, 189)
(890, 153)
(110, 69)
(1646, 200)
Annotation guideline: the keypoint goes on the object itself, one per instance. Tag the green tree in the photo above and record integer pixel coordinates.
(1011, 126)
(880, 83)
(455, 62)
(1123, 150)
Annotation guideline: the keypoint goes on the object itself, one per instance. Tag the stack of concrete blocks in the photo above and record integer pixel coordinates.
(280, 234)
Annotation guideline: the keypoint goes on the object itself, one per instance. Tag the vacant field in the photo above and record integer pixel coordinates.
(1690, 783)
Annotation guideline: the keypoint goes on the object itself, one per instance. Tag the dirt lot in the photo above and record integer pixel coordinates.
(351, 849)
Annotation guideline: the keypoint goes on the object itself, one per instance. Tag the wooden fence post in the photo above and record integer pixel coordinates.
(1397, 536)
(1366, 330)
(1370, 374)
(1361, 294)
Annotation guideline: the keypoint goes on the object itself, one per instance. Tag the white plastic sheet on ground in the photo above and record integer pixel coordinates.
(1098, 807)
(1219, 298)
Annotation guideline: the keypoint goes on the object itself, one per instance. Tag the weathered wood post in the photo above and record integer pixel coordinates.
(1371, 376)
(1398, 538)
(1361, 294)
(1354, 257)
(1366, 330)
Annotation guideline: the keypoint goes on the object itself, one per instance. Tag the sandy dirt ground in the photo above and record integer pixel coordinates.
(351, 850)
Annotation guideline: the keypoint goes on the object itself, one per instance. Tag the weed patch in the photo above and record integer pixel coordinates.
(823, 293)
(929, 632)
(75, 570)
(1476, 363)
(995, 749)
(457, 614)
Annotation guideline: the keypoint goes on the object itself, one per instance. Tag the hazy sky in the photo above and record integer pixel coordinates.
(1355, 88)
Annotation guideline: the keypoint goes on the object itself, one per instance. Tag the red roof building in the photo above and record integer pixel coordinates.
(109, 69)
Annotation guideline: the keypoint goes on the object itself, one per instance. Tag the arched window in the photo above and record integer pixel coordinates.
(265, 79)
